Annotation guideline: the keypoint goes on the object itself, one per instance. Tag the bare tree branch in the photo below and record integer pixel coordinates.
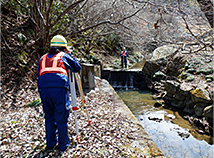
(47, 22)
(81, 7)
(65, 11)
(6, 44)
(207, 8)
(187, 26)
(27, 12)
(41, 16)
(106, 22)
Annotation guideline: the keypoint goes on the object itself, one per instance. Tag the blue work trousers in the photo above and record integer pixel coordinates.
(55, 101)
(124, 61)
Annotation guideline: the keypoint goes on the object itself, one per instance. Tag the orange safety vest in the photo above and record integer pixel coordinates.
(52, 65)
(123, 53)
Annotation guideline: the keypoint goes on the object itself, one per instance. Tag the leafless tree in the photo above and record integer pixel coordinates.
(44, 16)
(84, 20)
(138, 24)
(178, 22)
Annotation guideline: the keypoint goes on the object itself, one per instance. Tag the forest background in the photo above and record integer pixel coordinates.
(97, 30)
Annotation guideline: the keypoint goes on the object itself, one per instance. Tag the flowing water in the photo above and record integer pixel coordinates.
(175, 136)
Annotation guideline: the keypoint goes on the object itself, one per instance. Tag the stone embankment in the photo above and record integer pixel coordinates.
(185, 82)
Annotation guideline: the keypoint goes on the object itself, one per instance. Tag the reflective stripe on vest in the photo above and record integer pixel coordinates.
(52, 65)
(123, 53)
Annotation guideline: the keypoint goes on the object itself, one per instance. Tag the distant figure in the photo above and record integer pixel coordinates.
(124, 55)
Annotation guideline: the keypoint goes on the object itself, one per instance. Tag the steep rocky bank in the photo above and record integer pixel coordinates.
(184, 81)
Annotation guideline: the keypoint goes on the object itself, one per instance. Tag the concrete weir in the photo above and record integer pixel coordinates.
(132, 78)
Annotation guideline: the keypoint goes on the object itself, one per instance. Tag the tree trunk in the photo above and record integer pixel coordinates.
(207, 8)
(36, 14)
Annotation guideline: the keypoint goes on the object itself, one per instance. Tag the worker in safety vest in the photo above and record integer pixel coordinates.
(124, 55)
(53, 86)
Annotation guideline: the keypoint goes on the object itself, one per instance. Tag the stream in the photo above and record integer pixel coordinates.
(175, 136)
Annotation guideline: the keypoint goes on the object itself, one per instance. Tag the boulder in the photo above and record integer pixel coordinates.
(168, 98)
(189, 110)
(202, 85)
(164, 51)
(185, 89)
(150, 67)
(184, 75)
(208, 111)
(194, 101)
(199, 108)
(177, 103)
(190, 78)
(209, 77)
(171, 86)
(200, 95)
(204, 71)
(191, 71)
(179, 95)
(158, 76)
(189, 103)
(184, 93)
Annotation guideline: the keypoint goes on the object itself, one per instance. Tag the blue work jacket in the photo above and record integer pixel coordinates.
(57, 80)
